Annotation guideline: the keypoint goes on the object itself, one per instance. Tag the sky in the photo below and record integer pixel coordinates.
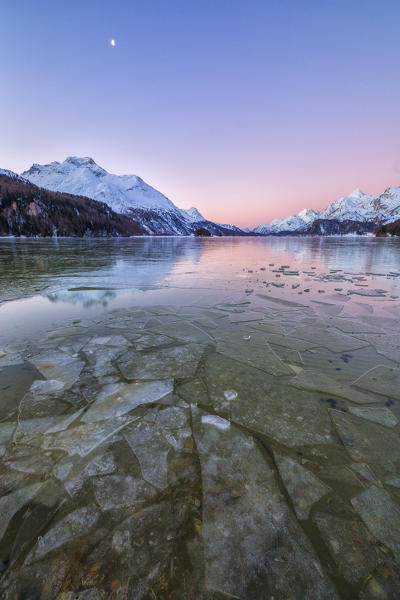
(248, 110)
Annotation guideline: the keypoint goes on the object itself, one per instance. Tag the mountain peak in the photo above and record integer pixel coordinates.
(83, 176)
(126, 194)
(193, 214)
(293, 223)
(357, 193)
(308, 213)
(85, 162)
(13, 175)
(80, 161)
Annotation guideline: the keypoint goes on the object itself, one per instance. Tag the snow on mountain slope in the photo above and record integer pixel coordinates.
(13, 175)
(126, 194)
(232, 227)
(365, 207)
(387, 204)
(192, 215)
(292, 223)
(195, 216)
(356, 207)
(82, 176)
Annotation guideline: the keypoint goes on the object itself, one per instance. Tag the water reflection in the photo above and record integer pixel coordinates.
(29, 267)
(62, 276)
(87, 298)
(195, 412)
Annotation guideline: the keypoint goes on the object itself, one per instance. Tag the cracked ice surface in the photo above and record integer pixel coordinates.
(244, 446)
(247, 528)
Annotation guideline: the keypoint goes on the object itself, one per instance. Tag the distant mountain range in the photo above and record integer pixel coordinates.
(293, 223)
(125, 194)
(355, 213)
(96, 202)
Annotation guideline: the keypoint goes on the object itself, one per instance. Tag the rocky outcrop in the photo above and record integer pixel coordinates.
(390, 228)
(202, 232)
(335, 227)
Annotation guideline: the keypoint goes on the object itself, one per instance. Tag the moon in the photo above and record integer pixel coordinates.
(112, 43)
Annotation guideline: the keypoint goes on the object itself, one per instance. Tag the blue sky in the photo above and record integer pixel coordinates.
(247, 110)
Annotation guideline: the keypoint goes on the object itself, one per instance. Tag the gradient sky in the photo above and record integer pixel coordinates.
(248, 110)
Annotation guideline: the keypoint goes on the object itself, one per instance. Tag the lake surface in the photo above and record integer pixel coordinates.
(187, 418)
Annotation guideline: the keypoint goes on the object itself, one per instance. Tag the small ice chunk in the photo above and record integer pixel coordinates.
(230, 395)
(313, 380)
(216, 421)
(381, 515)
(11, 504)
(394, 482)
(44, 387)
(353, 548)
(363, 470)
(9, 358)
(382, 380)
(303, 487)
(287, 341)
(334, 341)
(6, 431)
(116, 491)
(84, 438)
(368, 442)
(245, 316)
(58, 365)
(102, 464)
(151, 449)
(64, 422)
(381, 415)
(78, 522)
(179, 362)
(117, 399)
(370, 293)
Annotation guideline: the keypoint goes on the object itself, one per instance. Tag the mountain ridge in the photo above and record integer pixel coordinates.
(130, 195)
(125, 194)
(357, 207)
(31, 211)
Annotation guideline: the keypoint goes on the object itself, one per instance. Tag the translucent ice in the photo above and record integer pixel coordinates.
(117, 399)
(78, 522)
(247, 530)
(303, 487)
(381, 515)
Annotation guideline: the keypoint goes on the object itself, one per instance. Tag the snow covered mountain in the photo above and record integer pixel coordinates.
(233, 228)
(82, 176)
(293, 223)
(364, 207)
(32, 211)
(13, 175)
(196, 217)
(126, 194)
(357, 207)
(192, 214)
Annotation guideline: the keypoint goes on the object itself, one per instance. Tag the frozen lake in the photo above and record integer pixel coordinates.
(55, 280)
(200, 418)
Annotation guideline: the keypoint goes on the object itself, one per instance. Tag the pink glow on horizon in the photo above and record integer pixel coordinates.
(245, 197)
(247, 111)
